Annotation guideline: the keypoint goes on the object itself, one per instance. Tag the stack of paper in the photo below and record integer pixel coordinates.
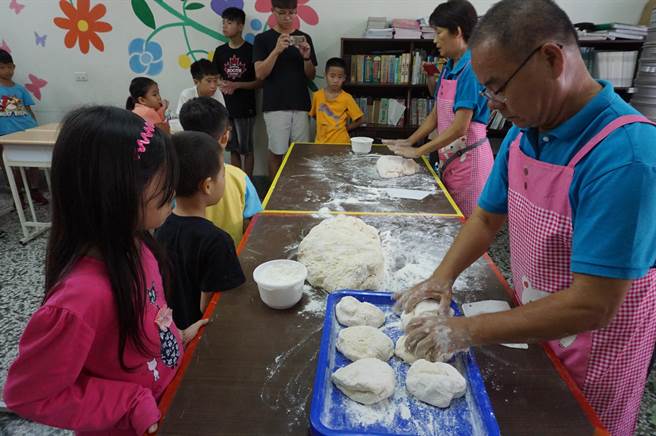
(377, 28)
(406, 28)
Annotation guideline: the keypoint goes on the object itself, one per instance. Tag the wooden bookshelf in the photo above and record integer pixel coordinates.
(400, 91)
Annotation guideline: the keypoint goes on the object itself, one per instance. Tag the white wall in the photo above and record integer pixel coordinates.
(109, 73)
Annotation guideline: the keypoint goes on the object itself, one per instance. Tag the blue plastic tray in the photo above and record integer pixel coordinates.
(332, 413)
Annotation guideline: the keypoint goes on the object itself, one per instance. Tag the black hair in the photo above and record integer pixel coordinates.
(520, 26)
(198, 157)
(284, 4)
(98, 186)
(455, 14)
(234, 14)
(138, 88)
(204, 114)
(336, 62)
(5, 57)
(202, 68)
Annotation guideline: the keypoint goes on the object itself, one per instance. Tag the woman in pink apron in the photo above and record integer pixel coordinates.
(460, 113)
(577, 187)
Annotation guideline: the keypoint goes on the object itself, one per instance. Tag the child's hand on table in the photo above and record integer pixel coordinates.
(190, 332)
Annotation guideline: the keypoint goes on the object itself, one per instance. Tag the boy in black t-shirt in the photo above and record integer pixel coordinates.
(285, 60)
(202, 256)
(234, 62)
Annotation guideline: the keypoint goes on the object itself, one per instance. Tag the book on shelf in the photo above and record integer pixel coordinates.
(419, 109)
(636, 28)
(382, 111)
(406, 28)
(616, 67)
(377, 68)
(377, 28)
(602, 35)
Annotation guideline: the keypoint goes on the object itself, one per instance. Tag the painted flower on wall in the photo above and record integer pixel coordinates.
(218, 6)
(145, 57)
(304, 12)
(82, 25)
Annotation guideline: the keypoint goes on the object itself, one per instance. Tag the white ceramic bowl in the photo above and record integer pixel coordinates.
(280, 282)
(361, 144)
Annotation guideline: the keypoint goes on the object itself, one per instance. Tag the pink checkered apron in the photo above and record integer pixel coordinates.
(465, 177)
(610, 365)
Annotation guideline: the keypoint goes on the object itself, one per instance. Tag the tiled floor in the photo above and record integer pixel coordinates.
(21, 290)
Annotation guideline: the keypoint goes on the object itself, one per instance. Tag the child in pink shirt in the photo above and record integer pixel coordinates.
(145, 101)
(101, 350)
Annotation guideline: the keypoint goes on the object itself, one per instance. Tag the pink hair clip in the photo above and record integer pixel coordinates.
(146, 134)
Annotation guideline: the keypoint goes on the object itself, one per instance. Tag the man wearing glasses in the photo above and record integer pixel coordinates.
(575, 178)
(285, 59)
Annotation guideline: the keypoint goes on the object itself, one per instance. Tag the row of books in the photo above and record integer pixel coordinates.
(419, 109)
(616, 67)
(382, 111)
(401, 68)
(602, 32)
(390, 69)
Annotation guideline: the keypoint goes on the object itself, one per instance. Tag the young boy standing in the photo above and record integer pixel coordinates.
(333, 107)
(234, 62)
(285, 60)
(203, 258)
(240, 201)
(206, 83)
(16, 113)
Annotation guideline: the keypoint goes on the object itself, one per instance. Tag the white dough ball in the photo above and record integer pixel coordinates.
(435, 383)
(366, 381)
(396, 166)
(402, 352)
(426, 307)
(363, 341)
(343, 253)
(351, 312)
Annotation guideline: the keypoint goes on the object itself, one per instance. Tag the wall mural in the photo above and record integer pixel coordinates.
(83, 29)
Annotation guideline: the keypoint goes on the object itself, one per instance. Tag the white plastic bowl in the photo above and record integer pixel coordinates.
(361, 144)
(280, 282)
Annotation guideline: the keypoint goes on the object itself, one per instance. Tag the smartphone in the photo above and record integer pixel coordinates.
(296, 40)
(430, 69)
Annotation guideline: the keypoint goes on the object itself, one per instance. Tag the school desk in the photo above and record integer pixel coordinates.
(31, 148)
(314, 176)
(251, 372)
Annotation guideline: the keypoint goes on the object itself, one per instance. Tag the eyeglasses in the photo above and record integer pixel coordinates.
(285, 12)
(496, 96)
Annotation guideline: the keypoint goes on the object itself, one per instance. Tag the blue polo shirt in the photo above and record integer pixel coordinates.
(613, 191)
(468, 90)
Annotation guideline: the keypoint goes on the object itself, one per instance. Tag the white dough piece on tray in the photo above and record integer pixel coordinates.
(361, 342)
(435, 383)
(366, 381)
(351, 312)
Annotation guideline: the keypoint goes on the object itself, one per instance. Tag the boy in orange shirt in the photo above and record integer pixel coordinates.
(333, 107)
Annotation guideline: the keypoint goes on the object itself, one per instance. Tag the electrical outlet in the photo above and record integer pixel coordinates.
(81, 76)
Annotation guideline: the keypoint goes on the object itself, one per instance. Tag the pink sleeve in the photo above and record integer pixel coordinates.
(46, 382)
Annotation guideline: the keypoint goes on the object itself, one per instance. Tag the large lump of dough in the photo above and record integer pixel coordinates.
(435, 383)
(343, 253)
(395, 166)
(361, 342)
(366, 381)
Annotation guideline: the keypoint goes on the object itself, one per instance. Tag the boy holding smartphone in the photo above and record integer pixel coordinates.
(285, 63)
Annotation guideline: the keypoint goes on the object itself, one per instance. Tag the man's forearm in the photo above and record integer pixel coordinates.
(264, 68)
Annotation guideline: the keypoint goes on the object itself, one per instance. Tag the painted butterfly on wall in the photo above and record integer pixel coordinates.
(40, 39)
(15, 6)
(35, 85)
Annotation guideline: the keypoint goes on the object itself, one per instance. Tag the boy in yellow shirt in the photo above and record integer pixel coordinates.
(240, 201)
(333, 107)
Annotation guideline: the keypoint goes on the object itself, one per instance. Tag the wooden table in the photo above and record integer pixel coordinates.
(315, 176)
(31, 148)
(252, 370)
